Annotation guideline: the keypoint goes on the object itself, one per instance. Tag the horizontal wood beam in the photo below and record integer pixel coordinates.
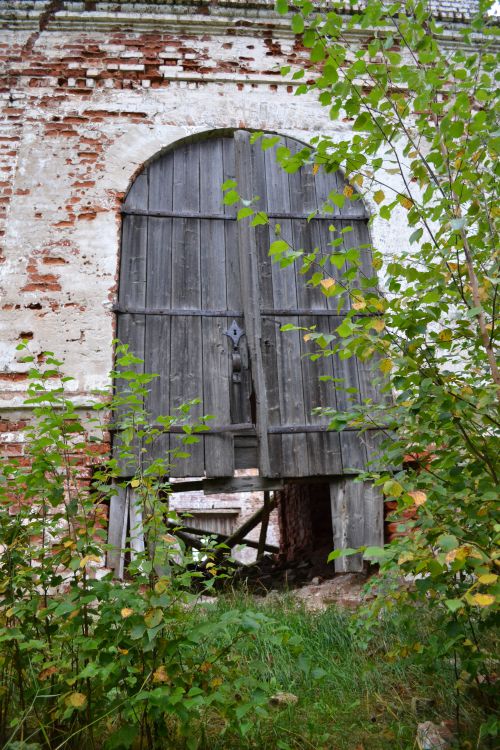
(228, 217)
(287, 429)
(177, 312)
(265, 312)
(229, 485)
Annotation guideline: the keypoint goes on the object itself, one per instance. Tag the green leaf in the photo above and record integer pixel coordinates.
(454, 604)
(231, 198)
(282, 7)
(447, 542)
(344, 329)
(341, 553)
(278, 247)
(297, 24)
(338, 199)
(244, 212)
(416, 235)
(362, 121)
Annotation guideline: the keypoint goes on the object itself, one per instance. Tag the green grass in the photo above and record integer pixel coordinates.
(367, 699)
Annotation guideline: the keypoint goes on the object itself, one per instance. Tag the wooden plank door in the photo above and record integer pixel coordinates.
(298, 443)
(175, 302)
(189, 269)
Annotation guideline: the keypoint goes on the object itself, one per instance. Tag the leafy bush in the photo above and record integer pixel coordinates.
(425, 111)
(86, 660)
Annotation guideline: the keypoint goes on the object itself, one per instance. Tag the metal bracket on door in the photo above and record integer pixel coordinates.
(234, 332)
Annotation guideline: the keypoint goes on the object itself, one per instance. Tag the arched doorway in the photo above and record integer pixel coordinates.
(201, 302)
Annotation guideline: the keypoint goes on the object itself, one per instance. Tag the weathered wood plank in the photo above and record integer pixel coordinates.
(294, 458)
(217, 348)
(137, 196)
(218, 449)
(323, 448)
(249, 269)
(157, 342)
(131, 328)
(161, 176)
(186, 373)
(347, 521)
(137, 545)
(117, 530)
(357, 519)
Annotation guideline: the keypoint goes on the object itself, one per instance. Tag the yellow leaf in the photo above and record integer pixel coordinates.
(126, 612)
(135, 483)
(378, 304)
(358, 180)
(216, 682)
(161, 586)
(76, 700)
(46, 673)
(405, 557)
(89, 558)
(488, 578)
(379, 196)
(69, 543)
(483, 600)
(418, 496)
(307, 337)
(123, 651)
(451, 555)
(406, 203)
(316, 169)
(359, 304)
(386, 366)
(348, 191)
(378, 324)
(160, 674)
(445, 335)
(327, 283)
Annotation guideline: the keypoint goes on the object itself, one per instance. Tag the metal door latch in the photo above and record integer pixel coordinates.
(234, 332)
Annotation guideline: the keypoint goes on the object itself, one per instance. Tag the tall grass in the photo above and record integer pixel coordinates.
(351, 696)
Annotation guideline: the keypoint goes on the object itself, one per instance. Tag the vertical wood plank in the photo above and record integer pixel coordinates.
(357, 519)
(373, 515)
(161, 176)
(241, 393)
(137, 545)
(137, 196)
(219, 449)
(323, 448)
(217, 348)
(347, 521)
(247, 247)
(186, 379)
(131, 328)
(290, 386)
(157, 341)
(117, 530)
